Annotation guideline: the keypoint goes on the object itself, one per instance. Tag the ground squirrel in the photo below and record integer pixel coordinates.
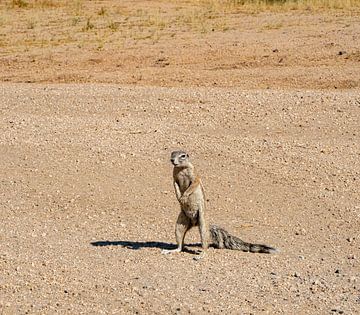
(190, 194)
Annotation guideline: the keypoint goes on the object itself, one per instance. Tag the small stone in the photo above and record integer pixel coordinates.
(316, 282)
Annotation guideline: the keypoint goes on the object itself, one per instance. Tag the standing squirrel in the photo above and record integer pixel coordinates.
(190, 194)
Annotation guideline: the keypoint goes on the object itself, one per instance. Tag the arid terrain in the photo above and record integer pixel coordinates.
(94, 96)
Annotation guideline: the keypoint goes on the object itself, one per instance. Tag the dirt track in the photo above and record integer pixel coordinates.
(86, 165)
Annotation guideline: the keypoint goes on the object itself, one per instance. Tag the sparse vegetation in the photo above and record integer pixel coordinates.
(31, 24)
(113, 26)
(261, 5)
(272, 26)
(102, 11)
(121, 22)
(19, 3)
(89, 25)
(34, 4)
(75, 21)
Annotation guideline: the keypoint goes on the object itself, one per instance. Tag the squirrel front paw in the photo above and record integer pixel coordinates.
(183, 199)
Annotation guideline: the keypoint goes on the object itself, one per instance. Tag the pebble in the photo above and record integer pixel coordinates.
(267, 182)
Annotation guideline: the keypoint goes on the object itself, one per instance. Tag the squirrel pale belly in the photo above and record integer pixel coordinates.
(190, 194)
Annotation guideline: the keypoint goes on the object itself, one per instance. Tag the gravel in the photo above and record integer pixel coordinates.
(86, 165)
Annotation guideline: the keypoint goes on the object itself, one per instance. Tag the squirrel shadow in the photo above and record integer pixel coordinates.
(138, 245)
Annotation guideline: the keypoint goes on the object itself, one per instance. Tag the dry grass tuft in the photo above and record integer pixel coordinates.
(89, 25)
(35, 4)
(255, 6)
(19, 3)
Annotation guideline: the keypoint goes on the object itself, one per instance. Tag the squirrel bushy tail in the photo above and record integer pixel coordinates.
(222, 239)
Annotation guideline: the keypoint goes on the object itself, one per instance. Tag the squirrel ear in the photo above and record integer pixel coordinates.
(187, 155)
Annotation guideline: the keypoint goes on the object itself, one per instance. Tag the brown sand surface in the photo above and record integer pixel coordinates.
(87, 165)
(268, 106)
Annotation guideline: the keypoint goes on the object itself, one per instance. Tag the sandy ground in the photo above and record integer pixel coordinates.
(181, 45)
(87, 201)
(266, 104)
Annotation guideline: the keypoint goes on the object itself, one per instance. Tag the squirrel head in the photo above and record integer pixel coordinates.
(180, 159)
